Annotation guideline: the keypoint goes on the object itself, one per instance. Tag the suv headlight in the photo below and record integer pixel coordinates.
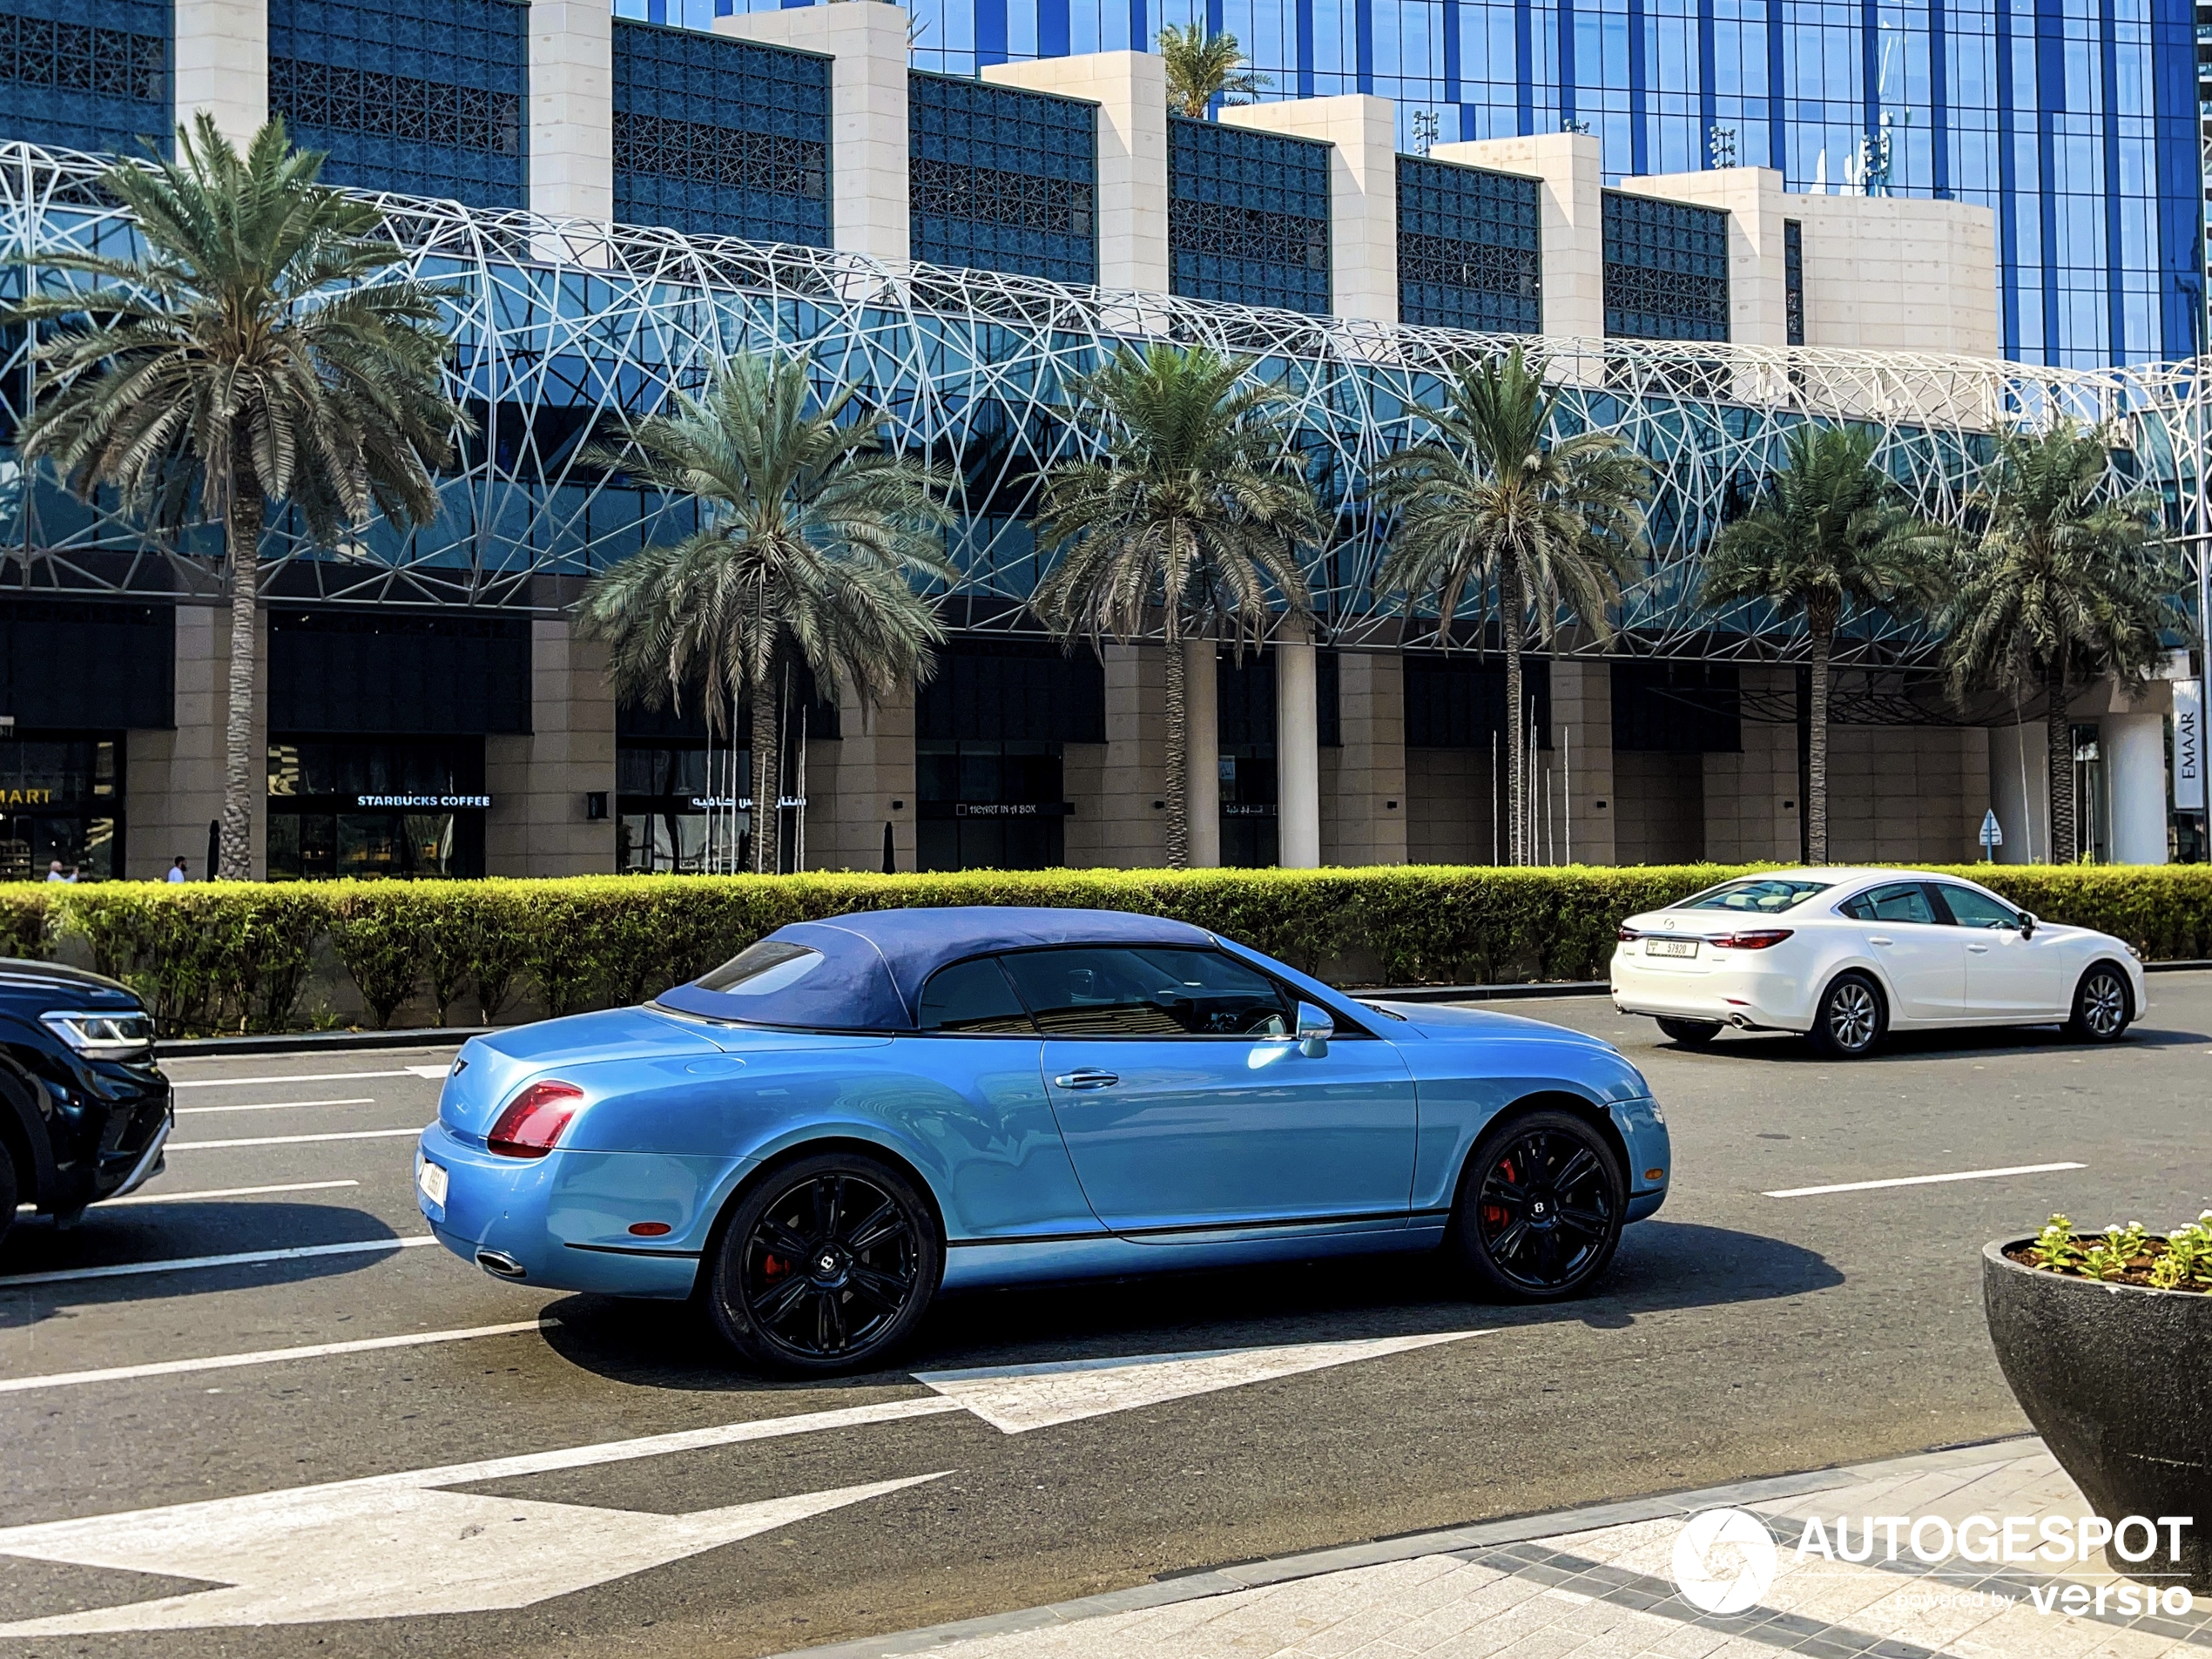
(104, 1036)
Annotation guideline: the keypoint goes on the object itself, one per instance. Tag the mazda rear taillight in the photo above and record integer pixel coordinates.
(1757, 939)
(1629, 935)
(533, 1120)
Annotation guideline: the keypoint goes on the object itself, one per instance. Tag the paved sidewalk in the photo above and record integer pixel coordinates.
(1596, 1584)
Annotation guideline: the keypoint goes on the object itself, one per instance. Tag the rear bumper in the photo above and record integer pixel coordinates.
(1728, 995)
(563, 1220)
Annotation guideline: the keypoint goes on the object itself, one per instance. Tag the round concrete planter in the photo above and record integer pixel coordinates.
(2116, 1379)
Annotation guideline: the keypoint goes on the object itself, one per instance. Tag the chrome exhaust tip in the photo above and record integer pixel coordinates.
(500, 1264)
(1739, 1023)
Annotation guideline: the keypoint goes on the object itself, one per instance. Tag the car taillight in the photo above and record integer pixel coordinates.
(1757, 939)
(533, 1120)
(1629, 935)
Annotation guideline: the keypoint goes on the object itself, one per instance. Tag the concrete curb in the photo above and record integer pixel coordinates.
(1246, 1575)
(436, 1036)
(1487, 993)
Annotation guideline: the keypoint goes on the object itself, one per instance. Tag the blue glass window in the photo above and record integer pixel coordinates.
(721, 137)
(1469, 253)
(420, 96)
(1793, 280)
(1248, 216)
(1666, 269)
(1002, 179)
(85, 74)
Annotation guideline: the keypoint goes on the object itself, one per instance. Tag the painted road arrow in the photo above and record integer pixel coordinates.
(389, 1546)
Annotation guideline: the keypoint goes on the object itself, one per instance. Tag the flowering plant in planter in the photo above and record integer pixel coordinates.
(2180, 1261)
(2103, 1338)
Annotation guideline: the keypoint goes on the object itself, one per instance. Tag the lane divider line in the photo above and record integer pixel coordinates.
(241, 1258)
(226, 1192)
(296, 1140)
(291, 1077)
(1924, 1180)
(276, 1105)
(265, 1357)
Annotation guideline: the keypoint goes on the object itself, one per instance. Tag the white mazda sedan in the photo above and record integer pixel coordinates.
(1847, 956)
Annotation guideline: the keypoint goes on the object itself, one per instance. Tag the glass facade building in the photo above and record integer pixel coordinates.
(2075, 121)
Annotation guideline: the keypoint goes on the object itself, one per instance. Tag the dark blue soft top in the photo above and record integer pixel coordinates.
(865, 972)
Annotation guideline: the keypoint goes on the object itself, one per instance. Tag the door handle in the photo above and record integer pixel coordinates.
(1086, 1077)
(1879, 939)
(1979, 950)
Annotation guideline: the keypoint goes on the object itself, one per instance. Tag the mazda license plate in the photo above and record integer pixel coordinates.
(1670, 947)
(431, 1177)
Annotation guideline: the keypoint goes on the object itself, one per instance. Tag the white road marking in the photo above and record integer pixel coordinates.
(240, 1258)
(297, 1140)
(1924, 1180)
(276, 1105)
(227, 1192)
(264, 1356)
(1016, 1398)
(428, 1071)
(388, 1545)
(292, 1077)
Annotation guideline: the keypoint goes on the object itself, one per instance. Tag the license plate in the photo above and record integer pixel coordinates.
(431, 1177)
(1670, 947)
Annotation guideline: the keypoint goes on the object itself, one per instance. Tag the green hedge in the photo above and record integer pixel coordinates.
(230, 957)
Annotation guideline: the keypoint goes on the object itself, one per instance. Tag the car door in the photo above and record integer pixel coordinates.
(1186, 1104)
(2008, 975)
(1922, 955)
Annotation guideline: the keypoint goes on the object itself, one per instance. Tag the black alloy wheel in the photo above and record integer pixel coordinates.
(1541, 1207)
(2102, 1006)
(10, 1195)
(1690, 1034)
(1851, 1019)
(825, 1266)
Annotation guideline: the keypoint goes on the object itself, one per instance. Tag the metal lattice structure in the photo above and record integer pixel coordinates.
(564, 329)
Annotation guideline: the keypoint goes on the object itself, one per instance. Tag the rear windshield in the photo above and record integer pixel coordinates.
(1760, 895)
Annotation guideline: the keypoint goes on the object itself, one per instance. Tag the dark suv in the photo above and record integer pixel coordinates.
(83, 1111)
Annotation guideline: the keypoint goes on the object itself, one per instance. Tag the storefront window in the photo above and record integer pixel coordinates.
(61, 801)
(986, 805)
(376, 807)
(682, 807)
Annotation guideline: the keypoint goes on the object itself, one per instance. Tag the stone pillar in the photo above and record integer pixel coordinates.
(2019, 790)
(174, 778)
(1582, 750)
(869, 202)
(1130, 91)
(1117, 786)
(1753, 807)
(572, 109)
(861, 783)
(1757, 278)
(539, 781)
(1363, 191)
(1297, 755)
(1202, 699)
(1363, 780)
(1572, 170)
(222, 58)
(2133, 748)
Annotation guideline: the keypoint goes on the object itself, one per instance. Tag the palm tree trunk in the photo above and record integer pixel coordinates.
(2061, 727)
(1512, 622)
(766, 817)
(242, 537)
(1179, 749)
(1817, 748)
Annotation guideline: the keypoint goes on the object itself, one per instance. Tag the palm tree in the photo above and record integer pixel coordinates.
(2060, 587)
(1203, 67)
(256, 351)
(1492, 502)
(1831, 533)
(1192, 504)
(809, 535)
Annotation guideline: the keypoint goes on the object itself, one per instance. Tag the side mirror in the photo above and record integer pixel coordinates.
(2027, 924)
(1315, 1027)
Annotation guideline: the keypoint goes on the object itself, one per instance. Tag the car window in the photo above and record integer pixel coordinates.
(1763, 895)
(1972, 909)
(758, 969)
(975, 998)
(1899, 901)
(1128, 991)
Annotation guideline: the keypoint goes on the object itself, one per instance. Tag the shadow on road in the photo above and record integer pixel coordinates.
(169, 1232)
(1905, 1046)
(1662, 1265)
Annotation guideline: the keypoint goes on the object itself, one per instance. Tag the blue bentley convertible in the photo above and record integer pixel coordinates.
(852, 1115)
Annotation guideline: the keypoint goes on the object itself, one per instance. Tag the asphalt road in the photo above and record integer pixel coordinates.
(1739, 1334)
